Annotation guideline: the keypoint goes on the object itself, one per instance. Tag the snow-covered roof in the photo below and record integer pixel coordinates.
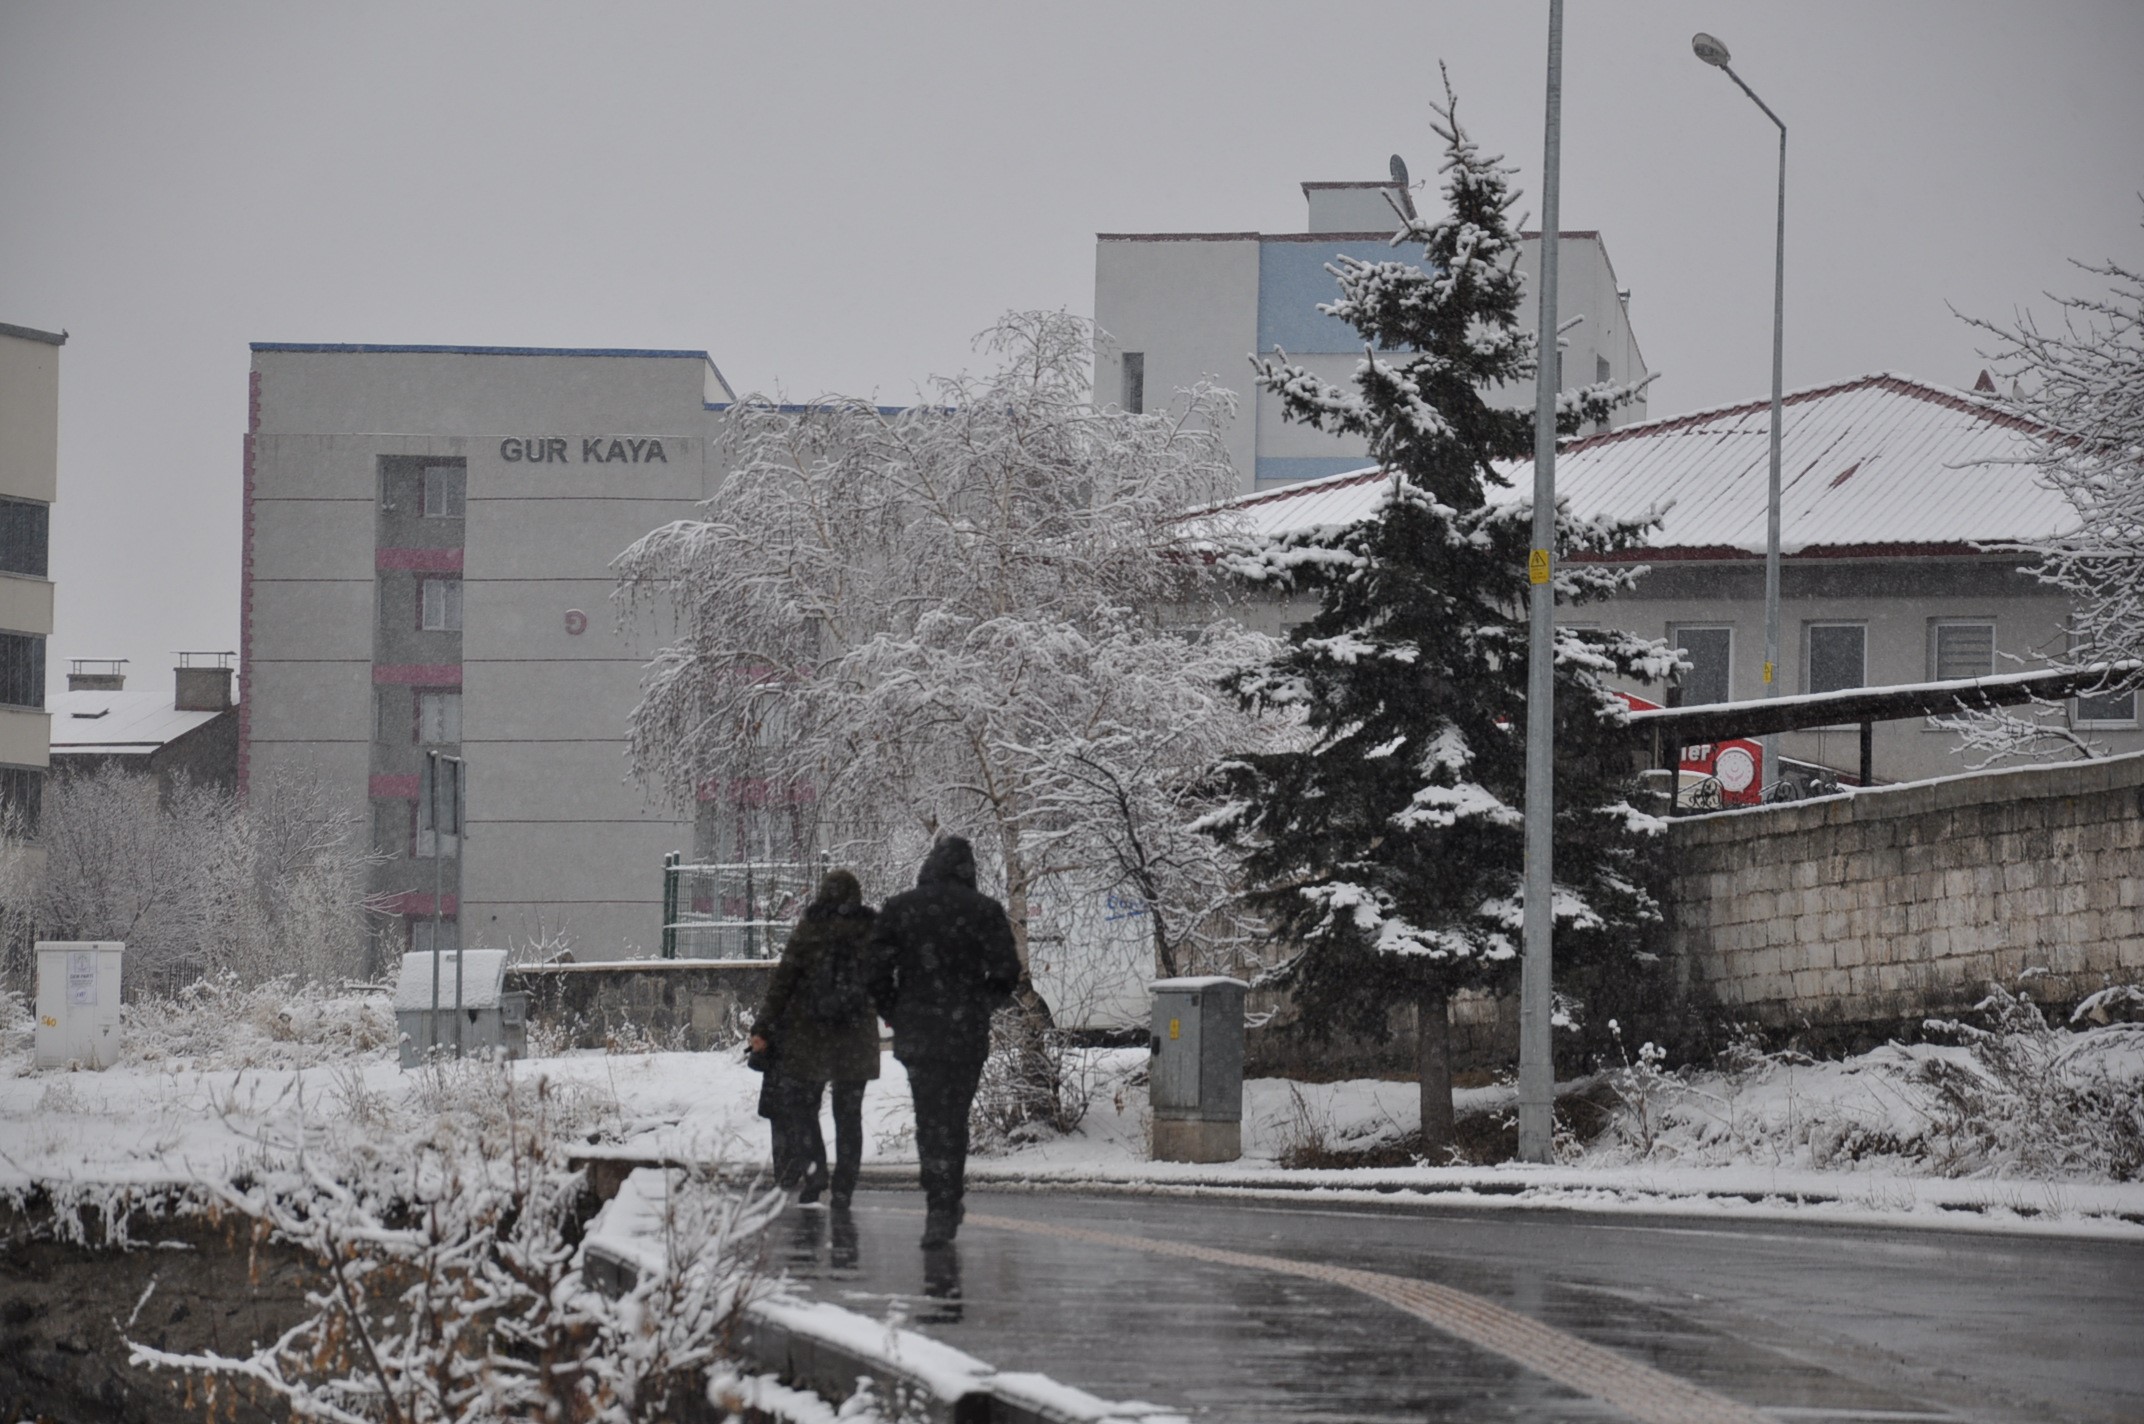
(121, 723)
(1879, 462)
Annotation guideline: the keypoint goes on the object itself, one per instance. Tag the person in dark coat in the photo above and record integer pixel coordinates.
(811, 1051)
(942, 962)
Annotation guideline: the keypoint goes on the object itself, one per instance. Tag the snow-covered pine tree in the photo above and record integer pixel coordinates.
(1389, 853)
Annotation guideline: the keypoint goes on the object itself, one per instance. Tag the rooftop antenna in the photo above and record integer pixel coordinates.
(1404, 204)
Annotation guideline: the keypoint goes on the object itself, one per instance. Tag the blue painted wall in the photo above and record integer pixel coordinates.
(1292, 281)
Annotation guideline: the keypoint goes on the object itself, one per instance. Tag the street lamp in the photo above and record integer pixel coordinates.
(1714, 53)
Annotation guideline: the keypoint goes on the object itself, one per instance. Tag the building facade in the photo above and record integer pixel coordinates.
(428, 534)
(1175, 308)
(29, 483)
(1897, 500)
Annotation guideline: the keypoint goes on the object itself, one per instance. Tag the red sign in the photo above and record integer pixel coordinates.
(1737, 764)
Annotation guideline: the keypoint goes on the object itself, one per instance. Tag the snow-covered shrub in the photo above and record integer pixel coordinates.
(2030, 1099)
(449, 1285)
(221, 1022)
(196, 882)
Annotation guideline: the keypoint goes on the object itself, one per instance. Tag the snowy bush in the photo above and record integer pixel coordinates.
(196, 882)
(222, 1023)
(450, 1286)
(2013, 1096)
(2033, 1100)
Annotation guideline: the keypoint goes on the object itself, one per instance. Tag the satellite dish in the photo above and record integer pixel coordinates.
(1405, 201)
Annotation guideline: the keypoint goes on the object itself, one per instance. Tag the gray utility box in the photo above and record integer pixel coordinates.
(1196, 1080)
(77, 1003)
(491, 1019)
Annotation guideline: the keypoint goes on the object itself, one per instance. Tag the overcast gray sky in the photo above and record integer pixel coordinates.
(837, 196)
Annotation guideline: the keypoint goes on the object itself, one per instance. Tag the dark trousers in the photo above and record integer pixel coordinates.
(800, 1145)
(943, 1091)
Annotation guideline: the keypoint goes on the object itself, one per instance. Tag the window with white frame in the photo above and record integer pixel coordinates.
(1835, 656)
(1710, 653)
(439, 716)
(441, 604)
(1960, 647)
(445, 491)
(2106, 709)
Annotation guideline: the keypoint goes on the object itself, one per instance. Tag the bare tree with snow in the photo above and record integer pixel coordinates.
(985, 613)
(2080, 379)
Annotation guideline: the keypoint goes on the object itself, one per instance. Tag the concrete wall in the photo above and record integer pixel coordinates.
(1888, 905)
(29, 417)
(688, 1003)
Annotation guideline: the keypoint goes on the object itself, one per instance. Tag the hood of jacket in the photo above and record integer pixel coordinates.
(952, 860)
(839, 893)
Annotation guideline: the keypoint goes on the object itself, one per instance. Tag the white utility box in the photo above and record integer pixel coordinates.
(491, 1019)
(77, 1003)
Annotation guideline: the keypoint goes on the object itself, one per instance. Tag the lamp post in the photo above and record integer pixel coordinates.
(1537, 1069)
(1714, 53)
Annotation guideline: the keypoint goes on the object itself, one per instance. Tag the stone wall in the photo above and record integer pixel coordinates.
(676, 1003)
(1875, 909)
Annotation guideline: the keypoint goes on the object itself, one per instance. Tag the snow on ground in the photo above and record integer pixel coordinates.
(214, 1090)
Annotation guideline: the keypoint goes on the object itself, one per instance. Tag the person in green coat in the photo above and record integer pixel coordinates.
(818, 1018)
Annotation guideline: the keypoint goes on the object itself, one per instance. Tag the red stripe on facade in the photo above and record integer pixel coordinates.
(418, 903)
(424, 561)
(417, 674)
(395, 786)
(245, 585)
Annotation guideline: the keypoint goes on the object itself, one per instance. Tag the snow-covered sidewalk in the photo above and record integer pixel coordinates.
(1846, 1142)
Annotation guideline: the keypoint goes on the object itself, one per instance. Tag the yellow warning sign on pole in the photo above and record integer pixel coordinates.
(1767, 674)
(1537, 566)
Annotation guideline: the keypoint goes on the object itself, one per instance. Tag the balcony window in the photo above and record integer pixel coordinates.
(25, 533)
(440, 604)
(22, 670)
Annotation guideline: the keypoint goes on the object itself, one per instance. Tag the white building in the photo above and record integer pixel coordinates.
(428, 534)
(29, 483)
(1895, 498)
(1179, 307)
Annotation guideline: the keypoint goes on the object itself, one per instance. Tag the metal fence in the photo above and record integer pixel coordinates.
(732, 910)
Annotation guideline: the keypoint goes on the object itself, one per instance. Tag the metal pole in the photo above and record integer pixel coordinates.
(438, 888)
(456, 763)
(1771, 515)
(1537, 1071)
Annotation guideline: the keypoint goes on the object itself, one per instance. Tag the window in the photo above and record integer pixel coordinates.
(441, 605)
(445, 490)
(22, 796)
(1837, 656)
(450, 940)
(1961, 648)
(1601, 372)
(1135, 382)
(22, 670)
(1711, 655)
(24, 534)
(439, 718)
(2107, 709)
(390, 828)
(450, 809)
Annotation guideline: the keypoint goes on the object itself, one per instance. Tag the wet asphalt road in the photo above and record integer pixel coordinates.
(1803, 1322)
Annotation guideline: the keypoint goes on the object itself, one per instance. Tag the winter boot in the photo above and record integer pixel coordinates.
(941, 1225)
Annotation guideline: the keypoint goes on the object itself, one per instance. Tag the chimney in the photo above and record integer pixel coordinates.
(204, 682)
(97, 675)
